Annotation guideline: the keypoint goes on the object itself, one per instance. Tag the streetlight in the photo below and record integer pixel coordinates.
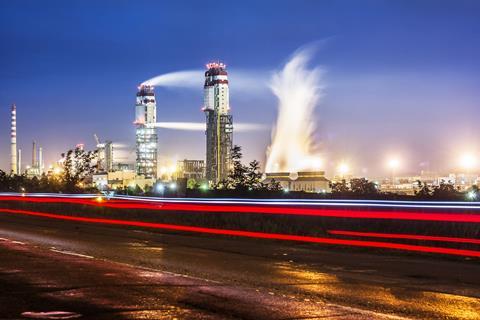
(468, 161)
(343, 169)
(393, 164)
(472, 195)
(160, 188)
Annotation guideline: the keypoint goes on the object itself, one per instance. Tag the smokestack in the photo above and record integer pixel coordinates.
(13, 141)
(19, 160)
(40, 160)
(34, 154)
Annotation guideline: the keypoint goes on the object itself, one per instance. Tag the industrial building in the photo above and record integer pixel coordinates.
(37, 166)
(104, 155)
(191, 169)
(311, 181)
(219, 133)
(146, 135)
(119, 179)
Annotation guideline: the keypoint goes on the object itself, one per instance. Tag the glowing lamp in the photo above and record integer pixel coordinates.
(468, 161)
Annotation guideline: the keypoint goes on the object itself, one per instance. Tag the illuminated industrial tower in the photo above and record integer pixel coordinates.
(146, 135)
(13, 141)
(219, 123)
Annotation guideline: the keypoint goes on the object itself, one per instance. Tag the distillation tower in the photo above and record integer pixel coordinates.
(146, 135)
(219, 131)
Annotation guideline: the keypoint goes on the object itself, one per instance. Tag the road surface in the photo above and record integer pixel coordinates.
(107, 272)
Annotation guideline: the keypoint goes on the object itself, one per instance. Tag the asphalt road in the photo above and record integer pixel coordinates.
(105, 272)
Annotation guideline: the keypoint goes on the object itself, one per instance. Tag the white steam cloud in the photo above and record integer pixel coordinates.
(193, 79)
(201, 126)
(179, 79)
(298, 90)
(243, 81)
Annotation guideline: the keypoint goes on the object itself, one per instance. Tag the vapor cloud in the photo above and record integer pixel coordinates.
(299, 90)
(201, 126)
(179, 79)
(242, 80)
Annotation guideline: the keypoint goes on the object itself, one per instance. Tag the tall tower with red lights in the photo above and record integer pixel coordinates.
(13, 141)
(219, 131)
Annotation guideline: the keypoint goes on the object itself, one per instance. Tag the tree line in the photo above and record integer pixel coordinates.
(363, 188)
(78, 166)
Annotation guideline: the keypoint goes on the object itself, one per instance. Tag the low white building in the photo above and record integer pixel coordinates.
(308, 181)
(120, 179)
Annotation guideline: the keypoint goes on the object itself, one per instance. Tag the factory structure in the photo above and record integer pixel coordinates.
(308, 181)
(104, 155)
(37, 166)
(213, 169)
(144, 173)
(146, 139)
(219, 132)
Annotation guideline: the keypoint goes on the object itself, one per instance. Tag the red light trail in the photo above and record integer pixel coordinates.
(403, 236)
(251, 234)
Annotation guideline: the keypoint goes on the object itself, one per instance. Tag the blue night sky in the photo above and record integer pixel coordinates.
(401, 77)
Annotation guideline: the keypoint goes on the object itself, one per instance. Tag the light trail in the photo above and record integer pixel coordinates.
(251, 234)
(326, 202)
(403, 236)
(213, 207)
(283, 202)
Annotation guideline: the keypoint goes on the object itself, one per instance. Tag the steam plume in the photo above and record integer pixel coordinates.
(253, 82)
(298, 90)
(201, 126)
(180, 79)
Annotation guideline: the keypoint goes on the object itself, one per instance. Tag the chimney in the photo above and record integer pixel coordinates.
(19, 160)
(40, 160)
(34, 154)
(13, 141)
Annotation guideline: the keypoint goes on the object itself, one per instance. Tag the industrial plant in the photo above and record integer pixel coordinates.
(218, 132)
(291, 161)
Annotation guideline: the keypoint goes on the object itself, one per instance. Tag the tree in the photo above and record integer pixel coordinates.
(424, 190)
(78, 166)
(445, 191)
(340, 188)
(474, 188)
(362, 186)
(4, 181)
(192, 184)
(274, 186)
(254, 176)
(237, 179)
